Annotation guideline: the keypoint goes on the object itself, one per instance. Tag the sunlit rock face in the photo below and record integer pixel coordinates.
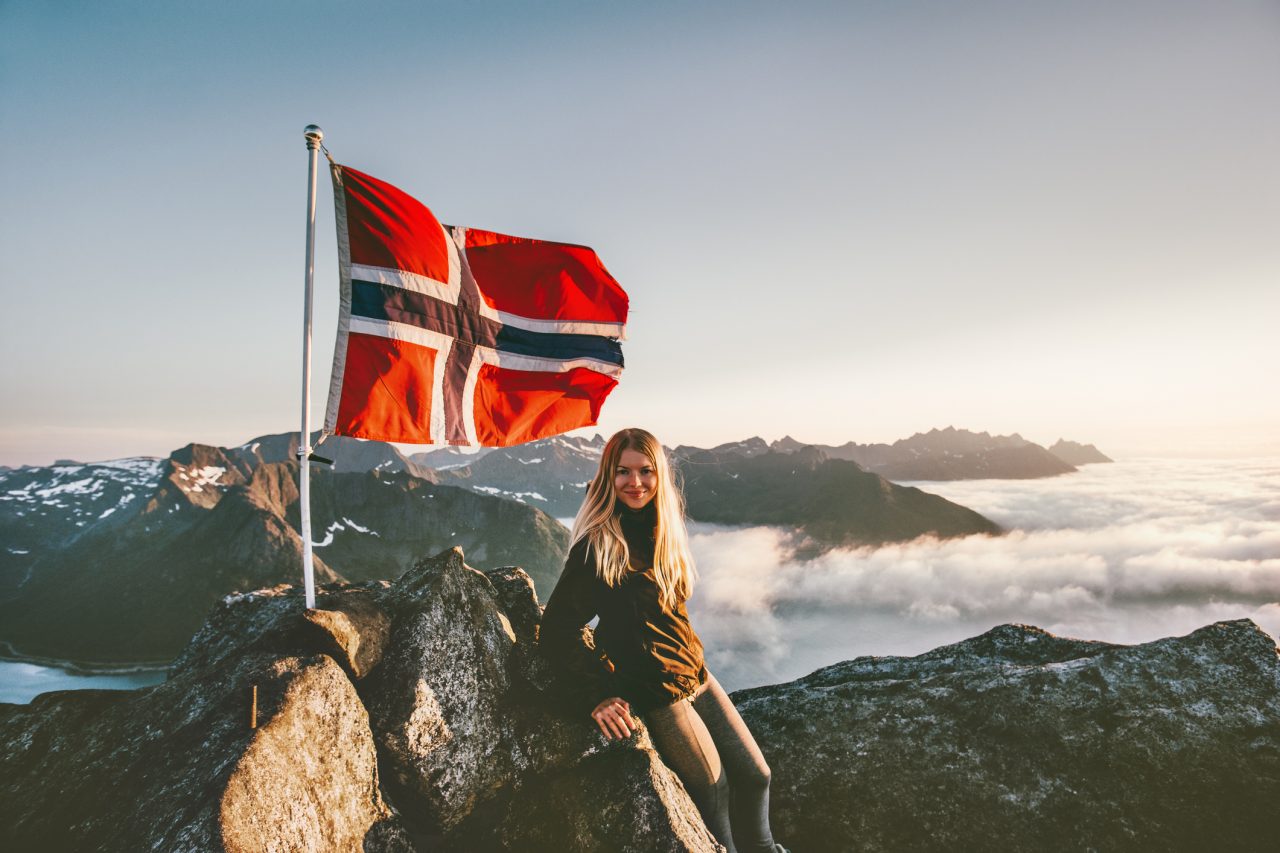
(1021, 740)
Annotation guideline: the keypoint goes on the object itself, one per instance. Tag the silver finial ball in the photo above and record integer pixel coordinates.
(313, 134)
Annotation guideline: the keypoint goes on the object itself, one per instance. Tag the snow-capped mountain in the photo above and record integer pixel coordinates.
(119, 561)
(551, 473)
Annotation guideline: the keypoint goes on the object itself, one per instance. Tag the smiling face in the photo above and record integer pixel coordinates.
(635, 481)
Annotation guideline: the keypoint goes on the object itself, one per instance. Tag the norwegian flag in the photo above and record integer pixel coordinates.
(450, 335)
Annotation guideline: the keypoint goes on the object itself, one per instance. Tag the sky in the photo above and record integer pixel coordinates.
(838, 221)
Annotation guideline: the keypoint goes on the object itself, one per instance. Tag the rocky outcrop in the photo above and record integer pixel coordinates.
(395, 717)
(474, 751)
(1021, 740)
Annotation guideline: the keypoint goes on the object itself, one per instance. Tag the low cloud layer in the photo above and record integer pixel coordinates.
(1127, 553)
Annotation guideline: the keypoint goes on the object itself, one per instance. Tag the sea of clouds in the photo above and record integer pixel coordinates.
(1126, 552)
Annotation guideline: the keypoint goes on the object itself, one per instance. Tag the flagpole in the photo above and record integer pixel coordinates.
(313, 135)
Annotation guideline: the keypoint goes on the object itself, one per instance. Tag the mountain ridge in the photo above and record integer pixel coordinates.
(172, 536)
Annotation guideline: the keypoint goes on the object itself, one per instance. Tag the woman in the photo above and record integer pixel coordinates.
(630, 565)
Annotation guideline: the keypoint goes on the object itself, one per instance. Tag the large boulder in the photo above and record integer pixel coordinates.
(179, 767)
(1021, 740)
(476, 755)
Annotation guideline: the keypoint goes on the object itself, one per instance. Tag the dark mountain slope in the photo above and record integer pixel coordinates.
(832, 500)
(1075, 453)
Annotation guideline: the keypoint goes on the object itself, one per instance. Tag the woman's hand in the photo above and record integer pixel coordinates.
(613, 716)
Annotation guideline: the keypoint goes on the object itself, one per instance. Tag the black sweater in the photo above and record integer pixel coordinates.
(646, 653)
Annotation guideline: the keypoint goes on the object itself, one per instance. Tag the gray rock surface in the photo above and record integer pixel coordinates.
(1020, 740)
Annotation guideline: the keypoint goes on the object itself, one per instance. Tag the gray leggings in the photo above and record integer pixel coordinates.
(694, 737)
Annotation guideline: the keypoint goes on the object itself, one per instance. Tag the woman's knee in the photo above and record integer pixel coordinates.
(757, 775)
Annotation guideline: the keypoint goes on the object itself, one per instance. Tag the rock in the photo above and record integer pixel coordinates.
(472, 749)
(349, 625)
(354, 633)
(476, 759)
(177, 767)
(437, 702)
(473, 755)
(621, 798)
(1018, 739)
(519, 600)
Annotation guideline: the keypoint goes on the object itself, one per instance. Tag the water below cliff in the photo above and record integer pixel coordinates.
(21, 682)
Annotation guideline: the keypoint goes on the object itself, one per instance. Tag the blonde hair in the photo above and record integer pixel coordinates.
(597, 520)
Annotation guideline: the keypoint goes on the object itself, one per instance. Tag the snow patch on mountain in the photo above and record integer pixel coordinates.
(358, 528)
(208, 475)
(519, 496)
(70, 487)
(338, 527)
(145, 468)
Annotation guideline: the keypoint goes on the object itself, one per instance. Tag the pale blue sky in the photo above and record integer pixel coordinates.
(839, 221)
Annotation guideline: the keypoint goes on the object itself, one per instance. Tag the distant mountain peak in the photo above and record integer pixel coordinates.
(1074, 453)
(748, 447)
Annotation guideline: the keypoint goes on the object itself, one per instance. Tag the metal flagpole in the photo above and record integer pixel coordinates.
(313, 135)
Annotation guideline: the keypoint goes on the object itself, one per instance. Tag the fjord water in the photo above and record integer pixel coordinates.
(22, 682)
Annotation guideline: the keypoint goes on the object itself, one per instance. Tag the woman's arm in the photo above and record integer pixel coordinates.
(584, 675)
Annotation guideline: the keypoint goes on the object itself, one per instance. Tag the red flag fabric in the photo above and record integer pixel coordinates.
(450, 335)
